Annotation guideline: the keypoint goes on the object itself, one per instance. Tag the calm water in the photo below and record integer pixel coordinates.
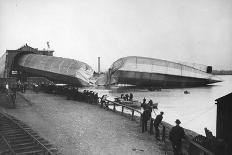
(196, 110)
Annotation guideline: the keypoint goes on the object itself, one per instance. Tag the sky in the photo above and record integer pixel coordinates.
(198, 31)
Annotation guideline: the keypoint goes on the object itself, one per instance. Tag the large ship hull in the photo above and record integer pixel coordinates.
(61, 70)
(158, 80)
(55, 77)
(143, 71)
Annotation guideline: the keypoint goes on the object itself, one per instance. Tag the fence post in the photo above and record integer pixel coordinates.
(151, 127)
(101, 103)
(114, 107)
(163, 133)
(132, 114)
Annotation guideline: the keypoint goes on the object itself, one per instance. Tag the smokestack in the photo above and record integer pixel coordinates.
(99, 65)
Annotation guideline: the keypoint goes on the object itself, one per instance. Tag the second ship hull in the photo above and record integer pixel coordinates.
(143, 71)
(158, 80)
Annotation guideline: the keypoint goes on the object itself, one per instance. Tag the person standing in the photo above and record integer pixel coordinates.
(157, 122)
(144, 100)
(145, 118)
(176, 135)
(131, 97)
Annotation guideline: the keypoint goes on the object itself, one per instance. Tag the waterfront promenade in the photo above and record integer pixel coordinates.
(81, 128)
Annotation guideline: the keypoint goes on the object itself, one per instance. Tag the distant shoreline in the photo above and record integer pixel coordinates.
(222, 72)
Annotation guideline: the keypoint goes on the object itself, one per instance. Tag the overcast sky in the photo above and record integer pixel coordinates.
(198, 31)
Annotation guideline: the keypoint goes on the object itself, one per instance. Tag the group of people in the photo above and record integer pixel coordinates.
(71, 92)
(127, 97)
(90, 96)
(176, 133)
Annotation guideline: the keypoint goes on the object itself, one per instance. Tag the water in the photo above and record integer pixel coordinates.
(196, 110)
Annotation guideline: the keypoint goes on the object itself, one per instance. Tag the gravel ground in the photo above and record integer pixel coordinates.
(81, 128)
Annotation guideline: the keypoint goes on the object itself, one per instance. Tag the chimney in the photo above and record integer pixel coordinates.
(99, 65)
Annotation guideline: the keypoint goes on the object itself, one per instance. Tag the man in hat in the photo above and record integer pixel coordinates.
(176, 135)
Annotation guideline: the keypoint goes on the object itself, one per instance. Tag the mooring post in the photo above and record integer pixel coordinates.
(101, 103)
(163, 133)
(114, 107)
(132, 114)
(140, 122)
(151, 127)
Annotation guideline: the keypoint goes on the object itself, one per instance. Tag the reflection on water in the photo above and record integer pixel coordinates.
(195, 110)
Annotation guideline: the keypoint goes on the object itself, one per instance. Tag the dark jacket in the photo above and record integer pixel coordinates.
(158, 120)
(146, 115)
(176, 134)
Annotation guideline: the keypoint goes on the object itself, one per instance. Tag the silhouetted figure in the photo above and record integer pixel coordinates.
(131, 97)
(157, 122)
(143, 105)
(145, 118)
(103, 101)
(150, 103)
(96, 98)
(176, 135)
(144, 100)
(122, 96)
(127, 97)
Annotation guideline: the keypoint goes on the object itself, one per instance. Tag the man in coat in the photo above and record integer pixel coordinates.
(176, 135)
(145, 117)
(157, 122)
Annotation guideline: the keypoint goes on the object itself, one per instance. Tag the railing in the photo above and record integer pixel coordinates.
(114, 104)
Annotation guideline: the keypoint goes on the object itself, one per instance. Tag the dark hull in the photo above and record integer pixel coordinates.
(158, 80)
(57, 78)
(57, 69)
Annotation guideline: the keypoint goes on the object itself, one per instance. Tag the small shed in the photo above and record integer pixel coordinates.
(224, 120)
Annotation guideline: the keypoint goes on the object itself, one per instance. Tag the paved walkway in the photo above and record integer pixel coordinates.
(80, 128)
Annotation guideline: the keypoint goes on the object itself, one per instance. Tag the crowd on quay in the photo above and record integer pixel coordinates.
(71, 92)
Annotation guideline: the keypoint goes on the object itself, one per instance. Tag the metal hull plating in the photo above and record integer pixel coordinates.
(158, 80)
(143, 71)
(55, 77)
(56, 69)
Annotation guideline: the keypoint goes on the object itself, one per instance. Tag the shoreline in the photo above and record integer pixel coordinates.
(38, 112)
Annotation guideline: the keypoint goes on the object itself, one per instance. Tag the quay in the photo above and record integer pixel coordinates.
(76, 127)
(79, 128)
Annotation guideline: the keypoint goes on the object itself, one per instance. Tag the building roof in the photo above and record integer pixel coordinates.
(27, 48)
(224, 99)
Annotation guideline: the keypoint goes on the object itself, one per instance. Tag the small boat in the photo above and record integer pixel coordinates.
(134, 103)
(186, 92)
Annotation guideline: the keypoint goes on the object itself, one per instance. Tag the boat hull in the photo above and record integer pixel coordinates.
(158, 80)
(57, 69)
(143, 71)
